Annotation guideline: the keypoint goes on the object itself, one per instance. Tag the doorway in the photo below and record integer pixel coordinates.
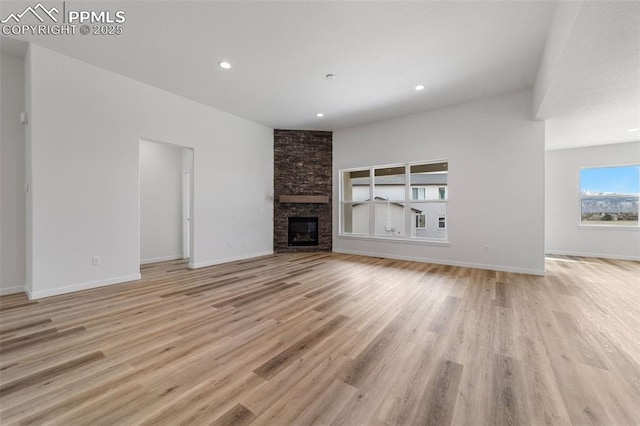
(165, 201)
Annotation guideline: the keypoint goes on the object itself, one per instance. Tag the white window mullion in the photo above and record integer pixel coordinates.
(340, 204)
(372, 205)
(407, 201)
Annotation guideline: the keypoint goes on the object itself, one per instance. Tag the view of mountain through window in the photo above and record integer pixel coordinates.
(609, 195)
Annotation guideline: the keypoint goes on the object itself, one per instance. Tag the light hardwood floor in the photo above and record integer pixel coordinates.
(330, 339)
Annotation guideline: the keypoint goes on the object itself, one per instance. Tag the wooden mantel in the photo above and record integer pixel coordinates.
(310, 199)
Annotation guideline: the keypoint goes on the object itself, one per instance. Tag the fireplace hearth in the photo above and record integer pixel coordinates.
(303, 231)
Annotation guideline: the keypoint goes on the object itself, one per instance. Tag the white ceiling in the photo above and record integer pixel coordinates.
(280, 52)
(594, 97)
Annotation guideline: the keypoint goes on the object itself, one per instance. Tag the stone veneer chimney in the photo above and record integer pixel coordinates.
(302, 167)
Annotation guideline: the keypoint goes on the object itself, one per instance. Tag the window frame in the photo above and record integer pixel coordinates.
(442, 219)
(418, 188)
(418, 220)
(442, 193)
(601, 226)
(352, 202)
(406, 236)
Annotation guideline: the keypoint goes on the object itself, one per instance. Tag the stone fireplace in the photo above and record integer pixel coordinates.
(302, 191)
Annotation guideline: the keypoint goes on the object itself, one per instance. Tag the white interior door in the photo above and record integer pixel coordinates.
(186, 214)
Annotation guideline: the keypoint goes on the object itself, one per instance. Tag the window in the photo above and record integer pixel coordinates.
(394, 201)
(609, 195)
(418, 193)
(388, 201)
(389, 183)
(355, 198)
(441, 222)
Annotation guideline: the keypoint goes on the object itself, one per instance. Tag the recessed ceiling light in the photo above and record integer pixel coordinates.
(634, 130)
(330, 76)
(319, 115)
(224, 64)
(419, 87)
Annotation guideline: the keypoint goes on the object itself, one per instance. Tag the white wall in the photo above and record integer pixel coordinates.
(495, 182)
(12, 175)
(84, 136)
(160, 202)
(563, 235)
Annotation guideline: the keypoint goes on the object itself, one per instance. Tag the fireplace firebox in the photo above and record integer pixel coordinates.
(303, 231)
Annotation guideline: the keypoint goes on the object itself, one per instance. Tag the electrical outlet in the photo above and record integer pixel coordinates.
(95, 260)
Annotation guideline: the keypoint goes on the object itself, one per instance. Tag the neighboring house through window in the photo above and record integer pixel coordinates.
(401, 201)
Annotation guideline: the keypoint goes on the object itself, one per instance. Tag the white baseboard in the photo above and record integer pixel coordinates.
(160, 259)
(597, 255)
(82, 286)
(12, 290)
(445, 262)
(229, 259)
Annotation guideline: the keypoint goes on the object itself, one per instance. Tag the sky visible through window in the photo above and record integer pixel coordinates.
(609, 195)
(617, 180)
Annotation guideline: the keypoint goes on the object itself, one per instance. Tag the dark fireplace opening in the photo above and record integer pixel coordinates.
(303, 231)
